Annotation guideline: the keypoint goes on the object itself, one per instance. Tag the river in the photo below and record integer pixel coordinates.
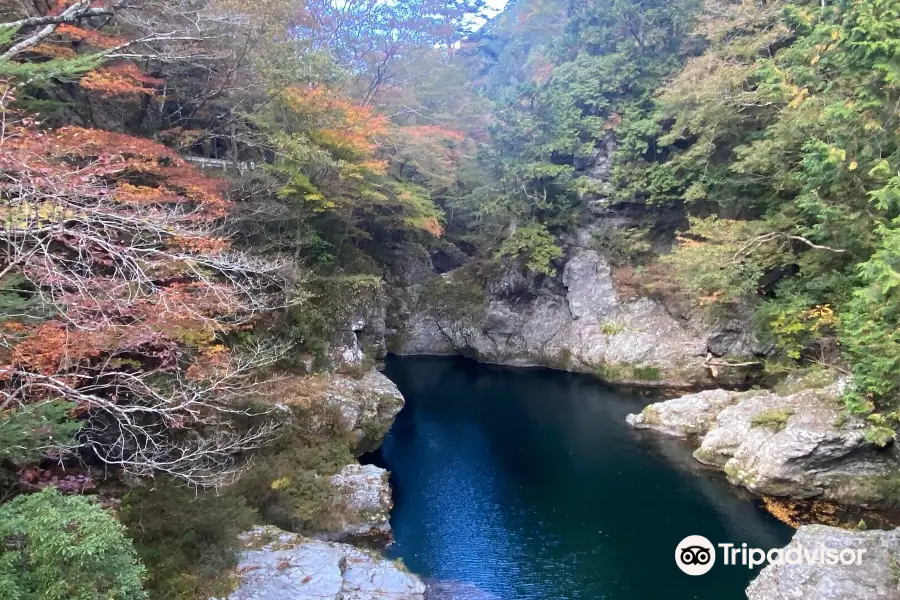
(514, 484)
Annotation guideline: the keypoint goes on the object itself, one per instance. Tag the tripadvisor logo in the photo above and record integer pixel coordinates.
(696, 555)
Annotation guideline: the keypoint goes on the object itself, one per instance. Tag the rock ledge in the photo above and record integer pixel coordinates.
(284, 566)
(800, 445)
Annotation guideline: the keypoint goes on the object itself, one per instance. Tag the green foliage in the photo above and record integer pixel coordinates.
(713, 263)
(29, 431)
(288, 484)
(60, 547)
(628, 246)
(562, 75)
(880, 436)
(610, 328)
(59, 68)
(868, 326)
(18, 300)
(533, 245)
(780, 142)
(459, 296)
(794, 325)
(187, 538)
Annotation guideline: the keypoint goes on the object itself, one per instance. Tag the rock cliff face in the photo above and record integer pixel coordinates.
(577, 321)
(284, 566)
(798, 445)
(877, 577)
(364, 406)
(362, 506)
(362, 409)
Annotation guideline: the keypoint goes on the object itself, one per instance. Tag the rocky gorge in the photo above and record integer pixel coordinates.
(795, 444)
(578, 321)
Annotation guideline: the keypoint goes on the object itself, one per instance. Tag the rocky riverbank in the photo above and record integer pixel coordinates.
(877, 577)
(333, 415)
(581, 320)
(797, 445)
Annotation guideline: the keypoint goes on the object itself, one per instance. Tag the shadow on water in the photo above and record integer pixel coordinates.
(514, 484)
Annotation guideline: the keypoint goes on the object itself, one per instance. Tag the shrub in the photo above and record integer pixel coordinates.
(289, 484)
(533, 244)
(187, 538)
(58, 547)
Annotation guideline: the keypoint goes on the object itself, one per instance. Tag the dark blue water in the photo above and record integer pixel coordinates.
(526, 484)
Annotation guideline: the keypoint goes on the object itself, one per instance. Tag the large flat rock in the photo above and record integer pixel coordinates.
(283, 566)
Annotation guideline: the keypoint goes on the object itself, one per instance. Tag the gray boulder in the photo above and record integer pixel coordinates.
(362, 505)
(367, 406)
(686, 416)
(359, 329)
(877, 577)
(800, 445)
(284, 566)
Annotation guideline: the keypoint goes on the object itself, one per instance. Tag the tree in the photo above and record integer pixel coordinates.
(114, 239)
(380, 42)
(60, 547)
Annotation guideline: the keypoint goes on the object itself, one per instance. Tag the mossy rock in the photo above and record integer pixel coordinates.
(774, 418)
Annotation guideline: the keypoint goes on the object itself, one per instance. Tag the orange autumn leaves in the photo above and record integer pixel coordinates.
(118, 224)
(120, 80)
(366, 148)
(138, 171)
(340, 124)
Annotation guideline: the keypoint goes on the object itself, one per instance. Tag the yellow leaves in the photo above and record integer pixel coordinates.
(27, 215)
(429, 224)
(836, 34)
(837, 154)
(798, 96)
(821, 315)
(280, 484)
(853, 165)
(686, 241)
(815, 60)
(710, 299)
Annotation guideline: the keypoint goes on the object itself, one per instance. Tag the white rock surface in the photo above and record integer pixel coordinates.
(686, 416)
(285, 566)
(367, 406)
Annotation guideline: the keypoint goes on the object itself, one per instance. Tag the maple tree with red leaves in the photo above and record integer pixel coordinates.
(116, 237)
(116, 240)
